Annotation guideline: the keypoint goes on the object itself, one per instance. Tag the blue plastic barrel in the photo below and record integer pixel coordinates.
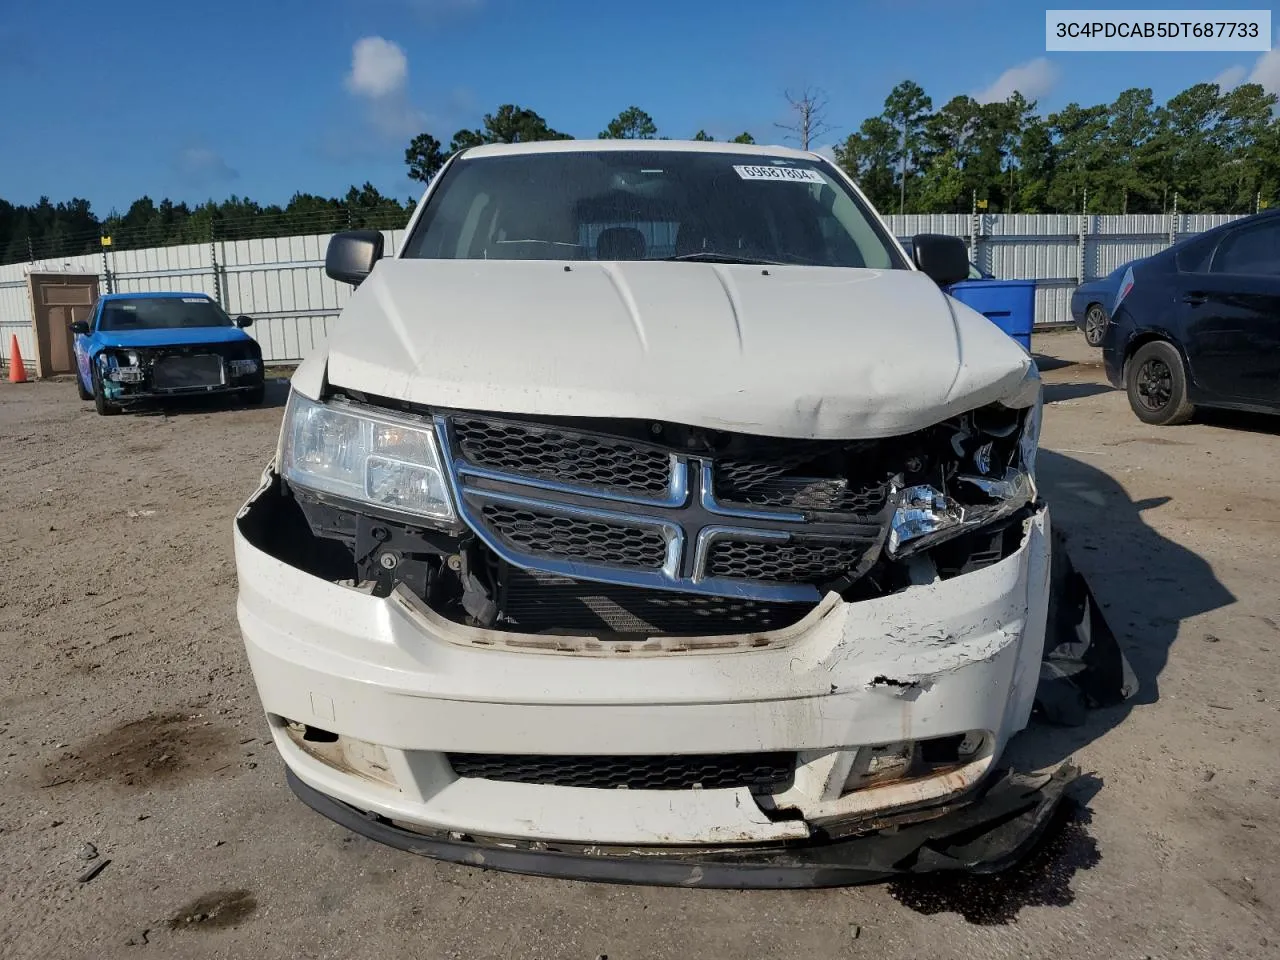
(1009, 304)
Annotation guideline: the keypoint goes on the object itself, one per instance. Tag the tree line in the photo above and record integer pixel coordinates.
(510, 123)
(1215, 151)
(45, 229)
(1206, 149)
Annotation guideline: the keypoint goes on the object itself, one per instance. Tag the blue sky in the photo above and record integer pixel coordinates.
(110, 101)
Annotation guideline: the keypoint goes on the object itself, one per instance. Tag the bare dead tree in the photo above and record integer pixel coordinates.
(809, 116)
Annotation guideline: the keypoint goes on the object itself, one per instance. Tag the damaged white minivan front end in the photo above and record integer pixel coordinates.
(702, 569)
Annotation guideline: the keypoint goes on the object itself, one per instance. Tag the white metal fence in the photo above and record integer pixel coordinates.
(280, 282)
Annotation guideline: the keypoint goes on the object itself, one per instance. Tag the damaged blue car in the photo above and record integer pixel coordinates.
(136, 347)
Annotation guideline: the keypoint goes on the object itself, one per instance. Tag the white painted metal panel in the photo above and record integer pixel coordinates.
(280, 281)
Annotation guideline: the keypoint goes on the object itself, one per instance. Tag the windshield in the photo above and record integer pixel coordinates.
(649, 205)
(158, 313)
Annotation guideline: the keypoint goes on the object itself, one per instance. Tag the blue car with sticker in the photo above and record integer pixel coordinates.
(136, 347)
(1092, 302)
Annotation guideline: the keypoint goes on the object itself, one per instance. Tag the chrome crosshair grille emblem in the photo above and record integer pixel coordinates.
(646, 518)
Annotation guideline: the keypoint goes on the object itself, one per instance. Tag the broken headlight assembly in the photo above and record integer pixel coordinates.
(990, 475)
(123, 366)
(242, 368)
(359, 454)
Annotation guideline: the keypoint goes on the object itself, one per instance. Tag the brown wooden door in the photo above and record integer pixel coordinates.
(57, 301)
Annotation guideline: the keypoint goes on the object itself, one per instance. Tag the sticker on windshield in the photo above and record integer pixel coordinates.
(793, 174)
(195, 299)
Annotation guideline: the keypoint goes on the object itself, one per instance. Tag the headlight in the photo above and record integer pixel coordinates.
(976, 493)
(358, 453)
(121, 366)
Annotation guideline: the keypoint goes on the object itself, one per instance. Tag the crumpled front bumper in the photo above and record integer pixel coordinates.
(986, 833)
(408, 687)
(144, 392)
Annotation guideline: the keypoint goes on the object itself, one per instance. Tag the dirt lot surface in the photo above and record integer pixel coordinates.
(128, 721)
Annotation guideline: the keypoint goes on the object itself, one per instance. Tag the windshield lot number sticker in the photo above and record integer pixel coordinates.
(779, 173)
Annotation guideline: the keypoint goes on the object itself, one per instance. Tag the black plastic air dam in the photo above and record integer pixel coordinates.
(988, 831)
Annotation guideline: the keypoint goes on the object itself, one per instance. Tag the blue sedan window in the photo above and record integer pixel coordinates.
(161, 313)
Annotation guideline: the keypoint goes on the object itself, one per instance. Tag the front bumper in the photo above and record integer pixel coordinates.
(411, 687)
(143, 394)
(138, 383)
(984, 834)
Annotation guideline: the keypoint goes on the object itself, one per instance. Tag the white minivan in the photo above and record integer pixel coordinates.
(650, 516)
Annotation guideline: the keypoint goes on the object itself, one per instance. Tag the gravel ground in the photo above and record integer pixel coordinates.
(128, 721)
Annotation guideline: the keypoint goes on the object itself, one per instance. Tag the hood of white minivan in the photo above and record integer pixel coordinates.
(782, 351)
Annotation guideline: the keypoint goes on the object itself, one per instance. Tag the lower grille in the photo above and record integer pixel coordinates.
(176, 373)
(799, 561)
(540, 603)
(678, 772)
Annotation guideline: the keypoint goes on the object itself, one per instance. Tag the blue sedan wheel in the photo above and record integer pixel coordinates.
(104, 407)
(1095, 325)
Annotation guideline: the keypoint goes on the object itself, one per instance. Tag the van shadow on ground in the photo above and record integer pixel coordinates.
(1146, 584)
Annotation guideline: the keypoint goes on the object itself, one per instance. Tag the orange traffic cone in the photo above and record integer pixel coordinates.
(17, 371)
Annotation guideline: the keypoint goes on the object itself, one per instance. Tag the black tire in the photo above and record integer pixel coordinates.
(255, 395)
(1095, 325)
(84, 394)
(104, 407)
(1156, 381)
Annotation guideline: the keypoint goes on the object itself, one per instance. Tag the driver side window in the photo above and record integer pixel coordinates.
(1251, 250)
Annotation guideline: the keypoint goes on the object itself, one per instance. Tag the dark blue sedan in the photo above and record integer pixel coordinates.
(1092, 302)
(1199, 324)
(146, 346)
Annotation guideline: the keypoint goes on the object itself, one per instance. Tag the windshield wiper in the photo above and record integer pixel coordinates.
(711, 257)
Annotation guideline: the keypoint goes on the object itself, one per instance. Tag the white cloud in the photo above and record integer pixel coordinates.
(200, 166)
(1267, 70)
(1032, 79)
(379, 68)
(1230, 78)
(380, 77)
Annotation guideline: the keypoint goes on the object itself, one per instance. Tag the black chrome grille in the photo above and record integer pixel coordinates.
(800, 561)
(785, 516)
(576, 538)
(541, 603)
(783, 485)
(678, 772)
(563, 456)
(179, 372)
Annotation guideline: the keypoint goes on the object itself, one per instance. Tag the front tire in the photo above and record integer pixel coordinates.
(256, 395)
(104, 407)
(84, 394)
(1156, 381)
(1095, 325)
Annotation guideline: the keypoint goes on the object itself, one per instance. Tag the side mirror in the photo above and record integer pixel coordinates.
(243, 321)
(944, 258)
(351, 255)
(80, 326)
